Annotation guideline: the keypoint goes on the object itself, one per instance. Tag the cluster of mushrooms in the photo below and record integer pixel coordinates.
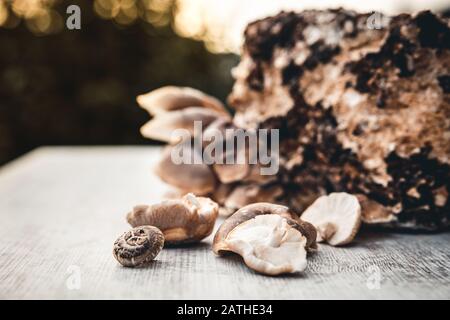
(270, 238)
(232, 186)
(363, 138)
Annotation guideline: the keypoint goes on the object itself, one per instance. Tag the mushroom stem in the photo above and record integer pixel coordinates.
(278, 237)
(326, 230)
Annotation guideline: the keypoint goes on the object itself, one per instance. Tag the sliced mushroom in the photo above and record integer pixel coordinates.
(186, 220)
(269, 245)
(139, 246)
(267, 238)
(337, 218)
(251, 211)
(171, 98)
(196, 178)
(162, 126)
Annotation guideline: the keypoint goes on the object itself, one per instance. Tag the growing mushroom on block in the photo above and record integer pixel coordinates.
(357, 108)
(363, 110)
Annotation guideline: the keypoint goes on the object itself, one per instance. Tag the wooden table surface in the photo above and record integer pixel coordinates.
(61, 208)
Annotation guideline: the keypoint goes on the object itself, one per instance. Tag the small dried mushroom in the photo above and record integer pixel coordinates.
(268, 237)
(184, 220)
(337, 218)
(139, 246)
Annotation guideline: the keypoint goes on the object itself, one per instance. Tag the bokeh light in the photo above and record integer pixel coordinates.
(39, 15)
(61, 86)
(220, 24)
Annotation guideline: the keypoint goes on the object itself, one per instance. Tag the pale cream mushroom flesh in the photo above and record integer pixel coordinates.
(337, 218)
(269, 237)
(269, 245)
(189, 219)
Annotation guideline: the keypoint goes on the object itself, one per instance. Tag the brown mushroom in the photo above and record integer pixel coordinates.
(139, 246)
(374, 212)
(171, 98)
(233, 164)
(222, 192)
(186, 220)
(254, 175)
(228, 173)
(245, 194)
(196, 178)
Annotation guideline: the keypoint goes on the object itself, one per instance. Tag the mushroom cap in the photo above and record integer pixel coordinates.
(184, 220)
(245, 194)
(138, 246)
(171, 98)
(162, 126)
(227, 172)
(222, 192)
(196, 178)
(337, 217)
(262, 208)
(269, 244)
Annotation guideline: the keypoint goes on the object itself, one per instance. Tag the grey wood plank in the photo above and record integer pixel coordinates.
(61, 208)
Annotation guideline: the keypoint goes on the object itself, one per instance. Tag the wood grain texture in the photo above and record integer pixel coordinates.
(64, 207)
